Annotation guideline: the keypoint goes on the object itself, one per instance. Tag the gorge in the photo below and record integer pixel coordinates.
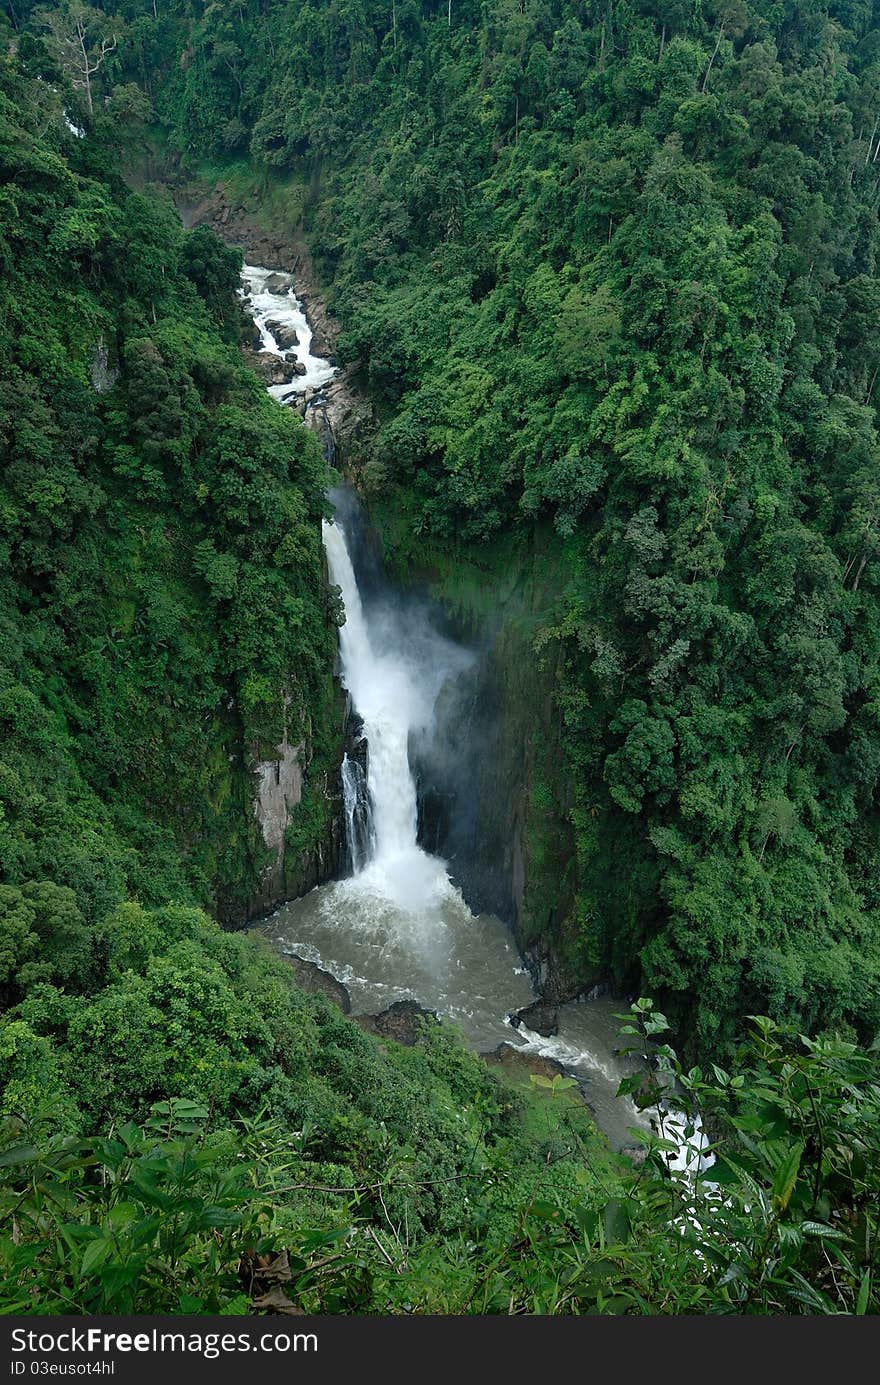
(397, 927)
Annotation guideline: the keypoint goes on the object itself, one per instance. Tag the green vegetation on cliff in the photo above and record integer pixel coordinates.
(176, 1102)
(162, 603)
(316, 1169)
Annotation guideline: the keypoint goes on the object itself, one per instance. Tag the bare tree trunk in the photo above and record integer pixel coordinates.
(795, 742)
(81, 35)
(714, 55)
(85, 62)
(858, 578)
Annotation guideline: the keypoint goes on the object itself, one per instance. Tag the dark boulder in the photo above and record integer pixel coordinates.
(541, 1017)
(270, 368)
(284, 334)
(520, 1064)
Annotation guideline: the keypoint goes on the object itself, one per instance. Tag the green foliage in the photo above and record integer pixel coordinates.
(242, 1118)
(611, 281)
(215, 270)
(43, 937)
(520, 1211)
(784, 1219)
(143, 1219)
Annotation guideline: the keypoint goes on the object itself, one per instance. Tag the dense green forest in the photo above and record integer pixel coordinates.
(606, 272)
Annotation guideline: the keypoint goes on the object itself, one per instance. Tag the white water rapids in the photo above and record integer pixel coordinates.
(398, 928)
(278, 316)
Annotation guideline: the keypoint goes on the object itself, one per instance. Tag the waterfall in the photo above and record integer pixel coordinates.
(284, 330)
(393, 693)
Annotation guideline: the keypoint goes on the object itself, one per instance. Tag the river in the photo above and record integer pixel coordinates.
(398, 927)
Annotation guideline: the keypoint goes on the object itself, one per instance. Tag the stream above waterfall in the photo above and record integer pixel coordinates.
(398, 927)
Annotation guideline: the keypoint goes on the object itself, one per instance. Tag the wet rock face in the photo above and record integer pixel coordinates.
(356, 747)
(103, 375)
(279, 790)
(335, 411)
(272, 369)
(278, 283)
(468, 800)
(541, 1017)
(357, 812)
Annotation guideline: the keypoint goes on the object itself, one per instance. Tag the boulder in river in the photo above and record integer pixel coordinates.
(283, 333)
(541, 1017)
(278, 283)
(401, 1022)
(520, 1065)
(274, 370)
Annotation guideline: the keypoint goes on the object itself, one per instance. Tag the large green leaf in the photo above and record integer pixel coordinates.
(785, 1177)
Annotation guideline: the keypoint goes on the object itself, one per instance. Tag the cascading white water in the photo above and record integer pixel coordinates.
(279, 310)
(390, 702)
